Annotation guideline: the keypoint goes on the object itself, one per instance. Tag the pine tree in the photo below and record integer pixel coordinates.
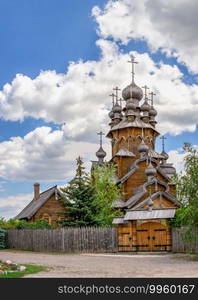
(78, 199)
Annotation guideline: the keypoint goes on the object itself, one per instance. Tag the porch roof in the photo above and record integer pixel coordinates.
(167, 213)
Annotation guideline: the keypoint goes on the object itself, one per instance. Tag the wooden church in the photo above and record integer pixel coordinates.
(148, 197)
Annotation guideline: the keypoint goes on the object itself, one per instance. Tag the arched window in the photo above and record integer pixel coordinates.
(46, 217)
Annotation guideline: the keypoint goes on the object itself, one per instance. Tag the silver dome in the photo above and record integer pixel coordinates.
(145, 106)
(152, 112)
(150, 170)
(130, 105)
(117, 108)
(142, 147)
(165, 155)
(111, 114)
(101, 153)
(132, 91)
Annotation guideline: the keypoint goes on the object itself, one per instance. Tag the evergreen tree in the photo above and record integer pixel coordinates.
(78, 199)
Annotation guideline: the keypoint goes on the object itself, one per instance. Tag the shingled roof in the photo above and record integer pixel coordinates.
(34, 205)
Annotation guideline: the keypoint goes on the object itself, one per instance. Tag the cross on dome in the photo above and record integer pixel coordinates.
(113, 98)
(163, 138)
(100, 134)
(145, 91)
(152, 94)
(132, 62)
(116, 89)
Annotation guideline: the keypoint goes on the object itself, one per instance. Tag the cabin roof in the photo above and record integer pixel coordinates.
(35, 205)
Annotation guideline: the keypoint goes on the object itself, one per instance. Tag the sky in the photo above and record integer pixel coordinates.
(58, 65)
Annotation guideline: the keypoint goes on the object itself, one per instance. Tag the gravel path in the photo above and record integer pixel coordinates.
(106, 265)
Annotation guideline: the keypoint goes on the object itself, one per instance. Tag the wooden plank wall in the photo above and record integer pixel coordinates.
(179, 244)
(70, 240)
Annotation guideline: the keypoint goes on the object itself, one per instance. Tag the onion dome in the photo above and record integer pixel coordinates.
(117, 108)
(145, 106)
(111, 114)
(132, 91)
(130, 105)
(101, 153)
(165, 155)
(150, 170)
(152, 112)
(142, 148)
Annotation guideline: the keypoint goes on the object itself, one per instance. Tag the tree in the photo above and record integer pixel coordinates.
(187, 190)
(106, 192)
(78, 199)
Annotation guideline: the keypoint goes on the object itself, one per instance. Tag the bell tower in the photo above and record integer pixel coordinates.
(132, 133)
(148, 195)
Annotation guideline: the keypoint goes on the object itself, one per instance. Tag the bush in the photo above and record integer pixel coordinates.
(2, 238)
(22, 224)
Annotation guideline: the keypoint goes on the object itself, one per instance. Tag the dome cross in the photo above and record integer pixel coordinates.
(145, 91)
(133, 62)
(116, 89)
(163, 138)
(100, 134)
(152, 94)
(113, 98)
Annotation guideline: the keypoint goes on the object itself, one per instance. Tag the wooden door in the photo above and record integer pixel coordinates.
(124, 238)
(153, 236)
(143, 241)
(160, 236)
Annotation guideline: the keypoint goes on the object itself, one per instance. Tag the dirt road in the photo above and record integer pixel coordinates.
(106, 265)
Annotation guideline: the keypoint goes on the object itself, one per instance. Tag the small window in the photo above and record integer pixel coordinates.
(47, 218)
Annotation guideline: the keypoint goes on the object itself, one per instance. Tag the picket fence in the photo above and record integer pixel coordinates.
(84, 239)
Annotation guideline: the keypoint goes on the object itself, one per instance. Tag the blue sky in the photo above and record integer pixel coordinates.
(42, 37)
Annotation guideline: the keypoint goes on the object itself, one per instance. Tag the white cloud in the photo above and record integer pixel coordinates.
(177, 158)
(43, 155)
(10, 206)
(170, 26)
(79, 98)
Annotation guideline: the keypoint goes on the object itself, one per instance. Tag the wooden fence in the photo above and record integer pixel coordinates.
(179, 244)
(84, 239)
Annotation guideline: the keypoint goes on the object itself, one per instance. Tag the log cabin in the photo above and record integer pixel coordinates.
(44, 206)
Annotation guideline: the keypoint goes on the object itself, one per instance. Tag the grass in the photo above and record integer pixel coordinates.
(30, 269)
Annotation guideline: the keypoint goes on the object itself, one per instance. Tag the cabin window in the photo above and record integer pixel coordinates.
(47, 218)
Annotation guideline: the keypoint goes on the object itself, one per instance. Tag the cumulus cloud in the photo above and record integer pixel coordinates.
(42, 155)
(170, 26)
(10, 206)
(177, 157)
(79, 98)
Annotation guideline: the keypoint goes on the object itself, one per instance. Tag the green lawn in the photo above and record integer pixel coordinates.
(30, 270)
